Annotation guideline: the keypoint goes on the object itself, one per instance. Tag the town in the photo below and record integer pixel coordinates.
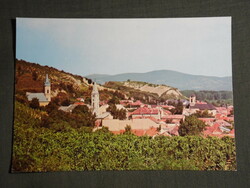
(147, 119)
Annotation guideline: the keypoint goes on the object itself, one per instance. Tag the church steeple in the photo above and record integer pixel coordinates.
(95, 99)
(192, 100)
(47, 88)
(47, 81)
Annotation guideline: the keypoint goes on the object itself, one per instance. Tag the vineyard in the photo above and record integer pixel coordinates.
(39, 149)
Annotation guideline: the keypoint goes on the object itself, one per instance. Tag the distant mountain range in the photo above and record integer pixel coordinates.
(175, 79)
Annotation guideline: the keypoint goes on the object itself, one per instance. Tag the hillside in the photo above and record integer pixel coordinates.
(172, 78)
(31, 76)
(216, 97)
(145, 91)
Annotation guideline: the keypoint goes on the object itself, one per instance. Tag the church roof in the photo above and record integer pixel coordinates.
(40, 96)
(204, 106)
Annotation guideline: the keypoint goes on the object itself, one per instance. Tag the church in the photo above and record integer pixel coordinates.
(45, 97)
(195, 106)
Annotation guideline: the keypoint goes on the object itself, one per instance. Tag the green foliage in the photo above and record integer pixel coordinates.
(178, 108)
(127, 129)
(63, 148)
(191, 126)
(34, 103)
(22, 98)
(113, 101)
(204, 114)
(116, 113)
(216, 97)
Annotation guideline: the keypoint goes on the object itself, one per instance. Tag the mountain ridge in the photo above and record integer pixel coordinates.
(182, 81)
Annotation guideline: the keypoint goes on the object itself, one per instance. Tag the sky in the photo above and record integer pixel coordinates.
(198, 46)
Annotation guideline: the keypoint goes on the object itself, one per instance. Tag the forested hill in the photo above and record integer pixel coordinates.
(31, 76)
(175, 79)
(219, 97)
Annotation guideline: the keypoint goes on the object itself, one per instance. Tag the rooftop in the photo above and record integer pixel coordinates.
(204, 106)
(40, 96)
(145, 110)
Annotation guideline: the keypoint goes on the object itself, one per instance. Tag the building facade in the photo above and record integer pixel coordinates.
(95, 100)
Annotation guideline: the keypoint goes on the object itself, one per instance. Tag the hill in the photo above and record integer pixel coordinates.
(215, 97)
(30, 77)
(175, 79)
(145, 92)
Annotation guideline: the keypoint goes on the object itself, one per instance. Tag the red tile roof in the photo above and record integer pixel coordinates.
(138, 132)
(145, 110)
(151, 132)
(137, 103)
(216, 131)
(79, 103)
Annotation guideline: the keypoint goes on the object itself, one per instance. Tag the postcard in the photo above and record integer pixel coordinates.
(123, 94)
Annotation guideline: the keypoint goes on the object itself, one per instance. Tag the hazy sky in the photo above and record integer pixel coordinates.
(200, 46)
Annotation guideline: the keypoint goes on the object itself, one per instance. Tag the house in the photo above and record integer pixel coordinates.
(218, 130)
(43, 98)
(144, 112)
(138, 126)
(69, 108)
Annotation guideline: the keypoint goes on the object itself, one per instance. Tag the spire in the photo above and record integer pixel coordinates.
(95, 90)
(47, 81)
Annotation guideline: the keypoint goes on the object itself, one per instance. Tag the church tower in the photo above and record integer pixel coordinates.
(47, 88)
(95, 100)
(192, 100)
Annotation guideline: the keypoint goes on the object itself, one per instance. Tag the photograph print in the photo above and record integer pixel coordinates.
(123, 94)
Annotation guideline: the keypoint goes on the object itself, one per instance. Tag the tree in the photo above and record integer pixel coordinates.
(127, 129)
(66, 102)
(113, 100)
(191, 126)
(203, 114)
(82, 116)
(178, 108)
(116, 113)
(34, 103)
(50, 107)
(89, 81)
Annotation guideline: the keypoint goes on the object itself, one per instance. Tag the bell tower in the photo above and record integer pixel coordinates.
(192, 100)
(95, 100)
(47, 88)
